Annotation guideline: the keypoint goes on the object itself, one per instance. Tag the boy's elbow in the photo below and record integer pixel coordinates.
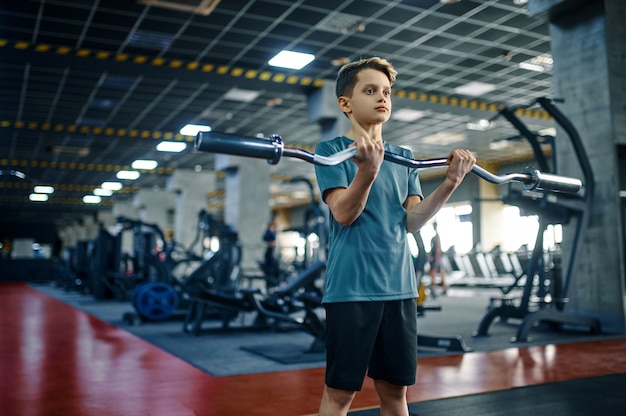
(344, 220)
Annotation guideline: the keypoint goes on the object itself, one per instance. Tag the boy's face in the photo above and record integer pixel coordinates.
(370, 102)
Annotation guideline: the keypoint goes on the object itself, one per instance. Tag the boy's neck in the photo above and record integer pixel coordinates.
(374, 133)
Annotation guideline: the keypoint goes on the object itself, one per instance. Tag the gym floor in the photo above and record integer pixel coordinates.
(57, 359)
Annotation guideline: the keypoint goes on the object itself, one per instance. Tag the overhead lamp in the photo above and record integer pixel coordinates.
(241, 95)
(407, 114)
(144, 164)
(193, 129)
(41, 189)
(481, 125)
(475, 88)
(92, 199)
(541, 63)
(174, 147)
(128, 174)
(291, 59)
(38, 197)
(102, 192)
(113, 186)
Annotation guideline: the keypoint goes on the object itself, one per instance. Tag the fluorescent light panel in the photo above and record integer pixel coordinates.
(92, 199)
(291, 59)
(443, 138)
(407, 114)
(244, 96)
(475, 88)
(194, 129)
(102, 192)
(144, 164)
(38, 197)
(113, 186)
(40, 189)
(128, 174)
(481, 125)
(174, 147)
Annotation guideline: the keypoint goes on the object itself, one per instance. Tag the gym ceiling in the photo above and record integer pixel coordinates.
(88, 87)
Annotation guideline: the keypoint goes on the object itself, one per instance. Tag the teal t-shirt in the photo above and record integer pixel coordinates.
(370, 260)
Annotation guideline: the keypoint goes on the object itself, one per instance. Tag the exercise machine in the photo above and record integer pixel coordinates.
(213, 291)
(273, 149)
(544, 294)
(143, 276)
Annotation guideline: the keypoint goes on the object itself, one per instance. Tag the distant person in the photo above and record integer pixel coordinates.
(270, 265)
(435, 262)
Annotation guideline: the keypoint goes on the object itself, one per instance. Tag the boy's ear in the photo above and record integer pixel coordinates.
(344, 104)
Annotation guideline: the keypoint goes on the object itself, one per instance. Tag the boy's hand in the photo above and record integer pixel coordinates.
(460, 163)
(370, 154)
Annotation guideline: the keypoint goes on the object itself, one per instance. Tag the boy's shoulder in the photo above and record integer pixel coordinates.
(398, 150)
(336, 144)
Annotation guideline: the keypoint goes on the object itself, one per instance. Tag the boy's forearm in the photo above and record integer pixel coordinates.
(418, 215)
(347, 204)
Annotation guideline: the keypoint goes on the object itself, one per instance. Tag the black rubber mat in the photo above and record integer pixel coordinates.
(596, 396)
(286, 353)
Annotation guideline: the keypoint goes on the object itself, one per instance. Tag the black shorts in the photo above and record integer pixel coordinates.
(377, 338)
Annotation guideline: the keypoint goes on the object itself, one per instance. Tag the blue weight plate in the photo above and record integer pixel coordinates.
(155, 300)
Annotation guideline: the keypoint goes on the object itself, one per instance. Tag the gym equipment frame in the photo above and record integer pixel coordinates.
(561, 188)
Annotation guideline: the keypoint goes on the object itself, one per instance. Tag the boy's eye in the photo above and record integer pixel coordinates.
(369, 91)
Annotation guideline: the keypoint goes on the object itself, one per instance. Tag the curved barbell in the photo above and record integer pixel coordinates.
(273, 148)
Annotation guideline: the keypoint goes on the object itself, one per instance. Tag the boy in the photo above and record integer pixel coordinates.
(370, 287)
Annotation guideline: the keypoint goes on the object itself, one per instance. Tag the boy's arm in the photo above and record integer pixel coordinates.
(346, 204)
(419, 213)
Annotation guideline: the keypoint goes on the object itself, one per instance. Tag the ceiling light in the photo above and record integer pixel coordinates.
(174, 147)
(475, 88)
(193, 129)
(481, 125)
(531, 67)
(102, 192)
(291, 60)
(539, 63)
(244, 96)
(443, 138)
(38, 197)
(407, 114)
(92, 199)
(499, 145)
(113, 186)
(128, 174)
(144, 164)
(43, 189)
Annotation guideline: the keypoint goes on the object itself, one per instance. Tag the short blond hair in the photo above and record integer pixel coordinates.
(346, 78)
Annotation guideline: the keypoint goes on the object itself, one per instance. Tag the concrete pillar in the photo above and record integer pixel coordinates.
(106, 218)
(190, 189)
(80, 231)
(491, 215)
(90, 228)
(68, 237)
(322, 109)
(246, 203)
(589, 52)
(155, 207)
(126, 209)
